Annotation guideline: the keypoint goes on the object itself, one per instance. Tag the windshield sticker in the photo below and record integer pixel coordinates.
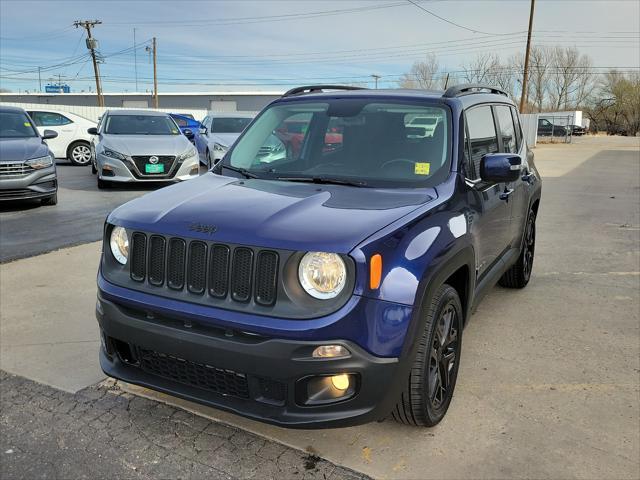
(422, 168)
(27, 124)
(174, 131)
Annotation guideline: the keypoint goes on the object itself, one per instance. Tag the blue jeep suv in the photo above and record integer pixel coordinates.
(317, 286)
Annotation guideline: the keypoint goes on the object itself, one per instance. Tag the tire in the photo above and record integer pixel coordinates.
(102, 185)
(52, 200)
(209, 161)
(94, 170)
(79, 153)
(519, 273)
(423, 401)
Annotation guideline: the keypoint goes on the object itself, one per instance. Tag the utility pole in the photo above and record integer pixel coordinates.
(155, 74)
(39, 80)
(135, 57)
(92, 44)
(525, 75)
(152, 50)
(376, 77)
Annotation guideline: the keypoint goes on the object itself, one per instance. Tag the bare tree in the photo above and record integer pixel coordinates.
(423, 74)
(570, 78)
(615, 107)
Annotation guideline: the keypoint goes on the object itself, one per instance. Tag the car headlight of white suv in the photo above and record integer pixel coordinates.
(107, 152)
(218, 147)
(190, 153)
(40, 162)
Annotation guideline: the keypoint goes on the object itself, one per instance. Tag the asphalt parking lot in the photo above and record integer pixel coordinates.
(549, 384)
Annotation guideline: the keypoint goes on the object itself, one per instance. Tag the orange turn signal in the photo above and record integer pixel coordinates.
(375, 271)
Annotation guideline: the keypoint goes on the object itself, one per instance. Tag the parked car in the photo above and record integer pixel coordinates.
(73, 141)
(427, 123)
(27, 165)
(218, 132)
(188, 125)
(329, 289)
(547, 129)
(141, 146)
(578, 130)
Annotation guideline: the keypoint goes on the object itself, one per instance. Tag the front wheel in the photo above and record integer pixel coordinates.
(520, 272)
(425, 399)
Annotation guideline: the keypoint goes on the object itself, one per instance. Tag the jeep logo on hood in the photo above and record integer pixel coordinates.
(202, 228)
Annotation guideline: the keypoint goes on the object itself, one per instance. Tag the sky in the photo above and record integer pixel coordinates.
(263, 45)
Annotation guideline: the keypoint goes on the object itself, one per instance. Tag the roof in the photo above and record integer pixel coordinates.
(7, 108)
(149, 113)
(467, 99)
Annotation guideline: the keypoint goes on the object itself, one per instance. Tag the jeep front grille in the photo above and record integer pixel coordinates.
(221, 271)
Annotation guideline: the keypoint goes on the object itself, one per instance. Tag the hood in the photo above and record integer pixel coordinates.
(146, 144)
(18, 149)
(225, 139)
(272, 214)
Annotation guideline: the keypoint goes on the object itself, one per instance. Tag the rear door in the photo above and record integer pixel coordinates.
(490, 224)
(63, 126)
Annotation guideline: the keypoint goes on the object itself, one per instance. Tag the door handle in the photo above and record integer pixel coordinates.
(505, 195)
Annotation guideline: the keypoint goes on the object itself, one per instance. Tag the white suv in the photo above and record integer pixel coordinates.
(73, 141)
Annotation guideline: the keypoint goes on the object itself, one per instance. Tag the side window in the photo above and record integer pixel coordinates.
(518, 127)
(507, 132)
(180, 121)
(49, 119)
(482, 136)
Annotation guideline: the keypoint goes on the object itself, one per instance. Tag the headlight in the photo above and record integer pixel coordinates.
(218, 147)
(119, 243)
(40, 162)
(322, 275)
(186, 155)
(107, 152)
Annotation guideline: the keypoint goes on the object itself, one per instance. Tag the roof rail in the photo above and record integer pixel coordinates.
(318, 88)
(470, 88)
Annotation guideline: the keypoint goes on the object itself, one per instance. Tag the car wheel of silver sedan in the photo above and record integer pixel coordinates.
(79, 153)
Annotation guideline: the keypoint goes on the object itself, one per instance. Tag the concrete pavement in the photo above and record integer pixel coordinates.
(549, 382)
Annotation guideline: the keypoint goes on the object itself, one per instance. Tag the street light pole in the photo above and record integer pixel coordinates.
(376, 77)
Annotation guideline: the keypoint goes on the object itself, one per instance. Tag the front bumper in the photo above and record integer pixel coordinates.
(120, 172)
(187, 358)
(37, 184)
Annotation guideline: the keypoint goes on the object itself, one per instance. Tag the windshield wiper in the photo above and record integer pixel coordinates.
(241, 171)
(325, 180)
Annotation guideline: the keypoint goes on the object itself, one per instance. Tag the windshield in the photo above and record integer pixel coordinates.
(229, 124)
(357, 140)
(16, 125)
(140, 125)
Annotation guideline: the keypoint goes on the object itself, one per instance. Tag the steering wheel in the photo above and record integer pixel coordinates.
(397, 160)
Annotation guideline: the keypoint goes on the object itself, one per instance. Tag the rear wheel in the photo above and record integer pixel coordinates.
(425, 399)
(520, 272)
(79, 153)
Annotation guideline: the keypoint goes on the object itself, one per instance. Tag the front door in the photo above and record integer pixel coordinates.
(491, 212)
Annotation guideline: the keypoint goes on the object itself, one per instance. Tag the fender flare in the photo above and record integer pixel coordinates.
(431, 280)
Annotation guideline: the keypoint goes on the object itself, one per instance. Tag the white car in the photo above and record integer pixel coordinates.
(217, 134)
(141, 146)
(73, 141)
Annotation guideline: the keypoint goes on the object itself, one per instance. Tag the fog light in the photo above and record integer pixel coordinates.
(330, 351)
(326, 389)
(341, 382)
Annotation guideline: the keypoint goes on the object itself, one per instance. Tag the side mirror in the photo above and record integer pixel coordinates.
(500, 167)
(203, 130)
(188, 133)
(92, 131)
(48, 134)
